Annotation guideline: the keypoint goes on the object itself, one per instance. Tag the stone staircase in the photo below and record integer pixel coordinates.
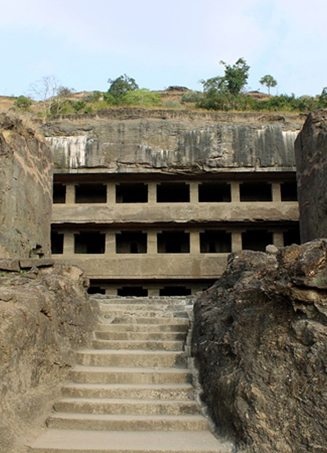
(132, 392)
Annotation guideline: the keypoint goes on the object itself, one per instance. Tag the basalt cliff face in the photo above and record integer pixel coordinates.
(311, 162)
(25, 191)
(45, 314)
(134, 140)
(260, 342)
(44, 309)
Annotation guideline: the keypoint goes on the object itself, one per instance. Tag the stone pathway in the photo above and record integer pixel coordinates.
(132, 392)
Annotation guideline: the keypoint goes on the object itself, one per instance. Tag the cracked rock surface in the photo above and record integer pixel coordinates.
(25, 191)
(44, 314)
(141, 141)
(260, 341)
(311, 162)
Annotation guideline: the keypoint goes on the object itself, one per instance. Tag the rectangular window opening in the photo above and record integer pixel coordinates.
(215, 241)
(289, 191)
(173, 193)
(292, 236)
(132, 291)
(96, 290)
(214, 192)
(57, 243)
(131, 242)
(173, 242)
(90, 243)
(59, 193)
(175, 291)
(90, 193)
(256, 240)
(255, 191)
(131, 193)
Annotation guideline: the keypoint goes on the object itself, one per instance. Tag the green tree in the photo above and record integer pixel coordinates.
(121, 86)
(236, 76)
(225, 92)
(268, 81)
(322, 99)
(214, 85)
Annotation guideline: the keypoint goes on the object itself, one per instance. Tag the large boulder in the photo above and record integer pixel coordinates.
(260, 343)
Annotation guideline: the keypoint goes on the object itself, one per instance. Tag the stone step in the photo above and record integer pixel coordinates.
(164, 392)
(139, 344)
(125, 406)
(144, 301)
(142, 307)
(130, 358)
(105, 422)
(149, 320)
(140, 336)
(128, 314)
(123, 327)
(115, 375)
(63, 441)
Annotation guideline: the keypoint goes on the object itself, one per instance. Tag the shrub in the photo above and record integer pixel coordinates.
(23, 103)
(110, 99)
(172, 104)
(88, 109)
(141, 97)
(100, 105)
(192, 96)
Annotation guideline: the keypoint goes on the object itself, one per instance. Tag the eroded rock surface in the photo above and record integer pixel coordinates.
(141, 141)
(311, 162)
(44, 314)
(25, 191)
(260, 341)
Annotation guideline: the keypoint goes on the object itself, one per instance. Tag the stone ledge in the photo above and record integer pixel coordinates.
(9, 265)
(29, 263)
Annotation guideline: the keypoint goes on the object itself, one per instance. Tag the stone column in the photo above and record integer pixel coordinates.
(235, 191)
(236, 241)
(111, 193)
(69, 243)
(278, 239)
(152, 193)
(153, 291)
(110, 242)
(70, 193)
(194, 242)
(276, 193)
(194, 192)
(152, 248)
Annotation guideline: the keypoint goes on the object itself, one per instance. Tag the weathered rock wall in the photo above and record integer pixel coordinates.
(185, 143)
(311, 162)
(260, 342)
(25, 191)
(44, 314)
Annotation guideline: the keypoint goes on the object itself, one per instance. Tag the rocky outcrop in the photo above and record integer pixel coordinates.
(260, 342)
(311, 163)
(25, 191)
(185, 142)
(45, 314)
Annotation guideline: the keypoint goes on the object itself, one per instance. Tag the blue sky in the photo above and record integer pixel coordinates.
(162, 42)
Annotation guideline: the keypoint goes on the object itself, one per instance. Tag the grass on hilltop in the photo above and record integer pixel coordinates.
(173, 98)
